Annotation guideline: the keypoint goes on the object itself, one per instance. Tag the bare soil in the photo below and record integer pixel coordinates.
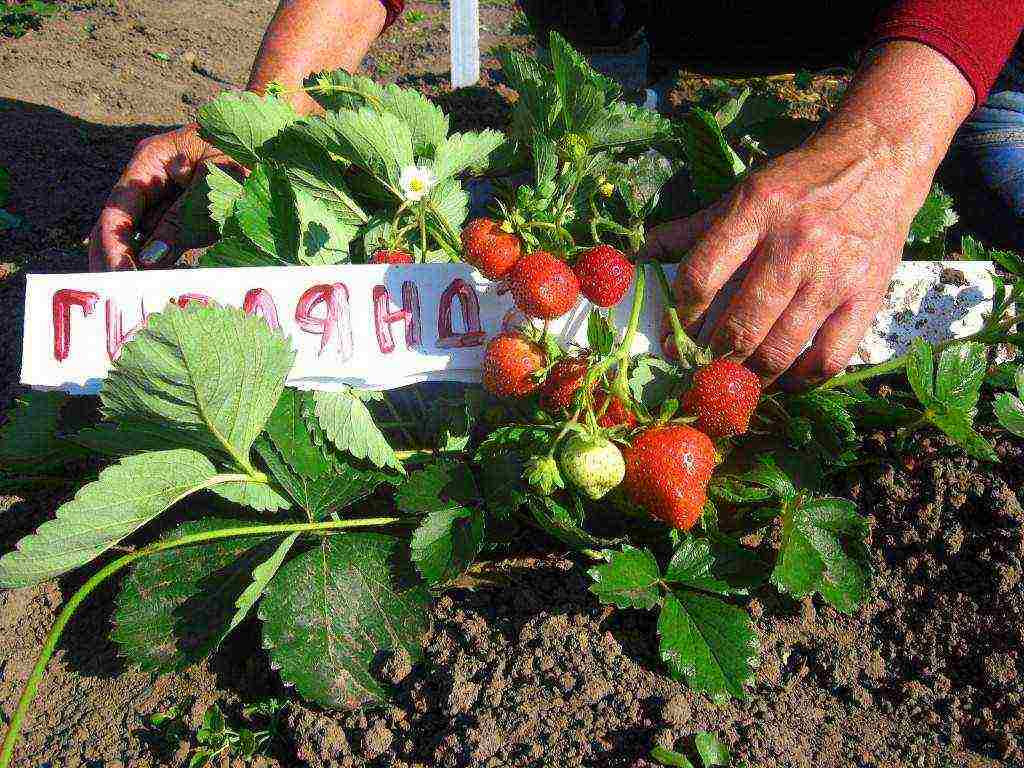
(531, 671)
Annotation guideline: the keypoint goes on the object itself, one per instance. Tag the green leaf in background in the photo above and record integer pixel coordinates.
(714, 166)
(921, 371)
(29, 438)
(438, 486)
(933, 219)
(339, 486)
(545, 160)
(653, 381)
(322, 238)
(957, 425)
(641, 183)
(735, 491)
(349, 425)
(572, 70)
(340, 90)
(241, 123)
(330, 612)
(712, 751)
(462, 151)
(176, 606)
(629, 127)
(708, 642)
(824, 550)
(211, 369)
(630, 579)
(670, 757)
(959, 375)
(267, 215)
(1009, 411)
(767, 474)
(446, 543)
(125, 497)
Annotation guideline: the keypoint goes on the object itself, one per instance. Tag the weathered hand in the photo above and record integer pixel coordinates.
(147, 201)
(816, 234)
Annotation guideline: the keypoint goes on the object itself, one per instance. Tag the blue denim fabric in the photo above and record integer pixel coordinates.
(985, 167)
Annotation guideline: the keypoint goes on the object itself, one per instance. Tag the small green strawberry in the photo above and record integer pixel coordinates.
(593, 464)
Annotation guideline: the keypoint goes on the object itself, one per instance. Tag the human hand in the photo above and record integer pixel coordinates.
(817, 233)
(147, 201)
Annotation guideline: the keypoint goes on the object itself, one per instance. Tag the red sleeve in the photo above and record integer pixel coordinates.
(394, 9)
(976, 35)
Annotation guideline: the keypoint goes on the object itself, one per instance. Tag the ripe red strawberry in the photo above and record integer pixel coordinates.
(392, 257)
(667, 473)
(615, 414)
(723, 398)
(509, 364)
(543, 286)
(605, 275)
(489, 248)
(563, 381)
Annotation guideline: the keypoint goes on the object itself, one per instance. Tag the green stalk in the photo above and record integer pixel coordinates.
(423, 231)
(685, 346)
(28, 693)
(622, 376)
(897, 363)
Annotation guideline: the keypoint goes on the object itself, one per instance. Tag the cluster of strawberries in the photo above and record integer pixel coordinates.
(664, 468)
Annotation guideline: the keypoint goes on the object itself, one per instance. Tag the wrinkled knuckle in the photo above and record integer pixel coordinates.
(761, 191)
(775, 359)
(693, 284)
(832, 364)
(740, 335)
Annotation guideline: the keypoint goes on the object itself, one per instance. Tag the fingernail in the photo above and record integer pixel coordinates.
(154, 252)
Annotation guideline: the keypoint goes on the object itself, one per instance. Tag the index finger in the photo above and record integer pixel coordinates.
(111, 245)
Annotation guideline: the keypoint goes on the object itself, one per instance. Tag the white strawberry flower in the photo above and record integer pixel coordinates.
(416, 182)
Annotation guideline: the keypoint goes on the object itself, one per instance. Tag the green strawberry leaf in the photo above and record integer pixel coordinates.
(653, 381)
(692, 565)
(331, 611)
(1010, 411)
(258, 496)
(339, 90)
(121, 500)
(600, 333)
(437, 487)
(261, 577)
(176, 606)
(216, 373)
(378, 143)
(957, 425)
(235, 251)
(241, 123)
(670, 757)
(935, 216)
(714, 166)
(341, 485)
(29, 440)
(349, 426)
(921, 371)
(960, 374)
(289, 431)
(708, 642)
(641, 183)
(630, 579)
(462, 151)
(823, 550)
(224, 191)
(446, 543)
(711, 750)
(733, 490)
(628, 127)
(767, 474)
(267, 215)
(564, 521)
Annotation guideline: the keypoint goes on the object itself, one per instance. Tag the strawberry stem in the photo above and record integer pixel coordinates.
(685, 346)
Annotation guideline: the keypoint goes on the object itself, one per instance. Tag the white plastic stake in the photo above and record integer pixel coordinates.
(465, 42)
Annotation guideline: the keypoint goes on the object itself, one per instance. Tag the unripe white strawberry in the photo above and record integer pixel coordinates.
(592, 464)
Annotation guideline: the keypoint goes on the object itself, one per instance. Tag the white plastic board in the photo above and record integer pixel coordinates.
(383, 327)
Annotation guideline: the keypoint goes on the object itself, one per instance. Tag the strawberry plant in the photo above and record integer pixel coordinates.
(332, 521)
